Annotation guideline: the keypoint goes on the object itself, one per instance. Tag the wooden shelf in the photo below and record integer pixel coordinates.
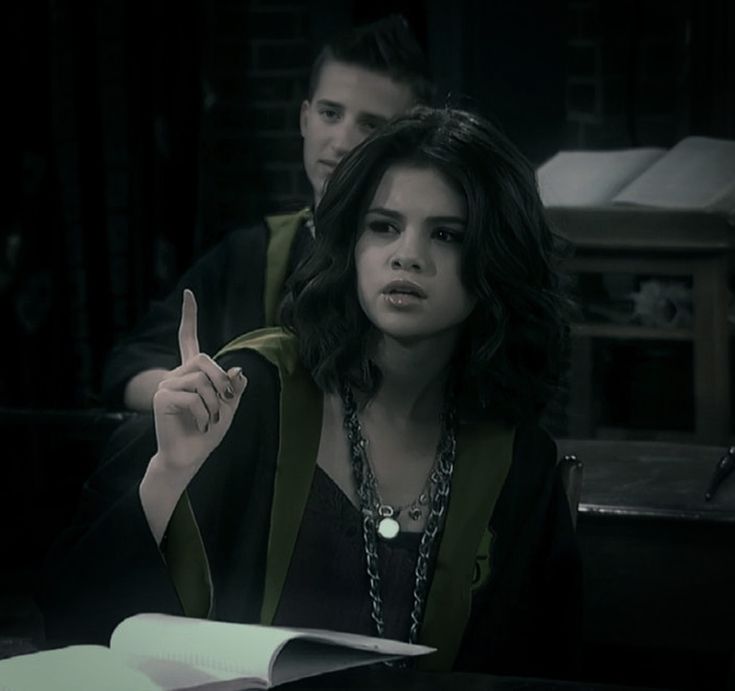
(631, 332)
(652, 242)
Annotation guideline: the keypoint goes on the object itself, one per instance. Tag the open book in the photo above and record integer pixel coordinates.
(150, 652)
(698, 173)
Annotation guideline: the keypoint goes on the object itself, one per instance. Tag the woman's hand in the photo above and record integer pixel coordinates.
(194, 406)
(193, 409)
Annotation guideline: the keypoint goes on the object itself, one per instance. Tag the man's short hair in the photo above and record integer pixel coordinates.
(387, 46)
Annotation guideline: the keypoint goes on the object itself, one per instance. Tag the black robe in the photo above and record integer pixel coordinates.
(232, 282)
(507, 605)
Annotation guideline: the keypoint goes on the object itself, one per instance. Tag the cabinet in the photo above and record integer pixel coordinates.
(697, 246)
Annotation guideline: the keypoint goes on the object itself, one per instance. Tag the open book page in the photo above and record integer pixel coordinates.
(263, 655)
(591, 178)
(220, 648)
(697, 173)
(318, 651)
(302, 658)
(74, 668)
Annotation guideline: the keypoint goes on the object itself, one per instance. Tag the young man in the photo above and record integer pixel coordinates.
(357, 83)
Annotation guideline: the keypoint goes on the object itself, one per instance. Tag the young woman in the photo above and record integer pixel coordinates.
(376, 466)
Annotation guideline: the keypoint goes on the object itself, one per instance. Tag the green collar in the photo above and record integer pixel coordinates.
(281, 233)
(484, 453)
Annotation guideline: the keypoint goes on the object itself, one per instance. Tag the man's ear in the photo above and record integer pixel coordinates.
(304, 116)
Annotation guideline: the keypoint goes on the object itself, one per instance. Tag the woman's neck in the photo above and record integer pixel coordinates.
(413, 380)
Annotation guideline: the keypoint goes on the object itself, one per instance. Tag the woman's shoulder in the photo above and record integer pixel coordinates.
(534, 459)
(534, 441)
(273, 344)
(271, 355)
(529, 440)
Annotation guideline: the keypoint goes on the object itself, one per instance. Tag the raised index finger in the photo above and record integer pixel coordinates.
(188, 341)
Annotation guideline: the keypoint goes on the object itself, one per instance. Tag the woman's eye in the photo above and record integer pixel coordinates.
(448, 235)
(380, 226)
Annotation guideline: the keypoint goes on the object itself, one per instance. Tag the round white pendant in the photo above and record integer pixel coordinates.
(388, 528)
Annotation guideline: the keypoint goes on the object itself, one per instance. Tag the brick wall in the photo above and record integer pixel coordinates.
(627, 73)
(256, 68)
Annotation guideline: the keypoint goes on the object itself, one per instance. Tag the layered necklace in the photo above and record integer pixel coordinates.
(380, 518)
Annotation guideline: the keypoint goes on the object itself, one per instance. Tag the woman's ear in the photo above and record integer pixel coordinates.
(304, 116)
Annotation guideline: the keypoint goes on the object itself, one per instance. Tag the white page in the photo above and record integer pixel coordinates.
(236, 649)
(222, 651)
(172, 675)
(74, 668)
(591, 178)
(385, 646)
(304, 658)
(697, 173)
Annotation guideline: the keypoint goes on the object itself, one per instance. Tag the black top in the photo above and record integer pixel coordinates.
(327, 585)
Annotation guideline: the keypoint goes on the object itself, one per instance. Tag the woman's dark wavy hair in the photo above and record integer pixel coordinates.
(512, 352)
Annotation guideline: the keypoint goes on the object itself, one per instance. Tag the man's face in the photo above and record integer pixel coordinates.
(348, 104)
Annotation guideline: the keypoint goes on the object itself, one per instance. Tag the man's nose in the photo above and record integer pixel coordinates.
(346, 137)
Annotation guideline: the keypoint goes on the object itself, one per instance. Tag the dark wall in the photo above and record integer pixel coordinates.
(141, 132)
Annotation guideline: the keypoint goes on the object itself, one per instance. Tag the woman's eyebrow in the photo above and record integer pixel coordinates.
(384, 212)
(391, 213)
(459, 220)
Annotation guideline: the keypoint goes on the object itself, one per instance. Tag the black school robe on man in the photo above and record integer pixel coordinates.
(237, 285)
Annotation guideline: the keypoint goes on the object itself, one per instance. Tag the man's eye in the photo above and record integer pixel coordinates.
(329, 114)
(449, 235)
(369, 126)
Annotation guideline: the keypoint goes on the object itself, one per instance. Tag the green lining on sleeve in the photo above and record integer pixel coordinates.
(273, 343)
(282, 230)
(299, 432)
(484, 455)
(187, 562)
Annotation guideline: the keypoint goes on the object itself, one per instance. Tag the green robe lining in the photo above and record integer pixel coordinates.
(191, 574)
(484, 452)
(282, 231)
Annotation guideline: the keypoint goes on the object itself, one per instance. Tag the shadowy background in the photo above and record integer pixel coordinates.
(138, 133)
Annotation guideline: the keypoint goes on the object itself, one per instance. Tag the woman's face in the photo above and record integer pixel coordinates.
(408, 256)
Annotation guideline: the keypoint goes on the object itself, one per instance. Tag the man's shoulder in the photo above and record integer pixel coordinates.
(242, 234)
(296, 216)
(259, 231)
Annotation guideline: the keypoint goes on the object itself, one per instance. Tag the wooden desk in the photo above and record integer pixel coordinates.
(666, 243)
(659, 564)
(652, 480)
(380, 678)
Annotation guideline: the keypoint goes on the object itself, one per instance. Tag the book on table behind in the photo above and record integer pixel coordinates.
(151, 652)
(698, 173)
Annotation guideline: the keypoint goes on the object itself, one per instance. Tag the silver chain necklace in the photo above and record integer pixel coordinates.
(387, 515)
(441, 479)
